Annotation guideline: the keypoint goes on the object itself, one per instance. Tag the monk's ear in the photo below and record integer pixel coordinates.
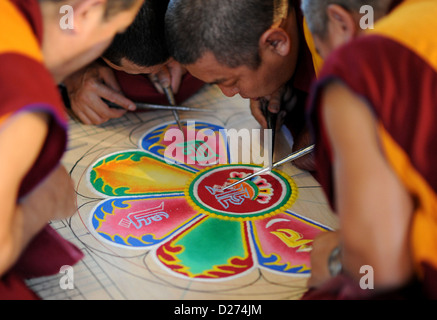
(88, 14)
(341, 22)
(275, 40)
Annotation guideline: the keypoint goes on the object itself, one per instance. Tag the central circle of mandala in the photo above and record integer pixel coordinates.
(262, 196)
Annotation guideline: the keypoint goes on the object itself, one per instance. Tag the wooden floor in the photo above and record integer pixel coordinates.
(114, 272)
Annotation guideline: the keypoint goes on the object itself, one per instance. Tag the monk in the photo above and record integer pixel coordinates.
(373, 115)
(259, 49)
(135, 67)
(36, 53)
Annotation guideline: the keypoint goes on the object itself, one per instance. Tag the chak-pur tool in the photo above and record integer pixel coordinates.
(292, 157)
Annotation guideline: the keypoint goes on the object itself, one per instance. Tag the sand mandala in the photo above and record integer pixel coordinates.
(173, 204)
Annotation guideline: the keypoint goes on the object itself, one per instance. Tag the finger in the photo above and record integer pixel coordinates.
(100, 112)
(83, 117)
(93, 110)
(80, 109)
(176, 80)
(115, 113)
(164, 77)
(177, 72)
(155, 81)
(107, 93)
(94, 116)
(275, 103)
(255, 108)
(108, 77)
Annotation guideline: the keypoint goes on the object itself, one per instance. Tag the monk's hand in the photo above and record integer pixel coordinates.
(274, 103)
(87, 87)
(323, 246)
(169, 75)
